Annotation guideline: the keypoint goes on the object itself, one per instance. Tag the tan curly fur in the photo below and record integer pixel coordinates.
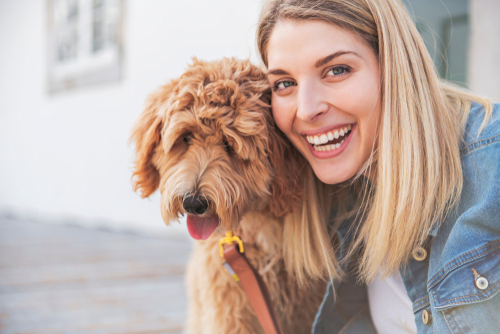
(250, 175)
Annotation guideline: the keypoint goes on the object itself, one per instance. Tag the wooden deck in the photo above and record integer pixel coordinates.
(65, 279)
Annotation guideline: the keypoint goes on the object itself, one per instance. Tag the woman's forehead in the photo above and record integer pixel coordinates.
(305, 42)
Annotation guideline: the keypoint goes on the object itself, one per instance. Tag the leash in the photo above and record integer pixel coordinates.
(251, 282)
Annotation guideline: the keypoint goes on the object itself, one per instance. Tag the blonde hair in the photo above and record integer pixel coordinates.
(415, 167)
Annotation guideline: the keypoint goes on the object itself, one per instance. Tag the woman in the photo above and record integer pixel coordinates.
(412, 161)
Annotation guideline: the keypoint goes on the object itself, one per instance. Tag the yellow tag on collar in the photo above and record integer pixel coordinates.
(230, 239)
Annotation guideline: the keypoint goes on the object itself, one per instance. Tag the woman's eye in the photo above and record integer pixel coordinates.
(339, 70)
(283, 84)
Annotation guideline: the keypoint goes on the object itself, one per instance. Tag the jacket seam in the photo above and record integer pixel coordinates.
(417, 301)
(447, 322)
(419, 304)
(455, 325)
(480, 293)
(477, 144)
(466, 302)
(434, 280)
(418, 308)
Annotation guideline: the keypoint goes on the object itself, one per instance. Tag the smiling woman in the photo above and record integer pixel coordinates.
(406, 165)
(338, 96)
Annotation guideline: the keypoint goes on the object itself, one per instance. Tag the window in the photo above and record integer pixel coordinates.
(444, 26)
(84, 43)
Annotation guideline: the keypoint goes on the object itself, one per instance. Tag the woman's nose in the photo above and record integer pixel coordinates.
(310, 104)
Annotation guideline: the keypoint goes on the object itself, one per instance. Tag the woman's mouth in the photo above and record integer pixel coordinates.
(330, 143)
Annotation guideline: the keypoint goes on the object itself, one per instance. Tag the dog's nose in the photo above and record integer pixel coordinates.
(195, 205)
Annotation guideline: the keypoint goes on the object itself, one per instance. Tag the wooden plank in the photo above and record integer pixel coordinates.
(66, 279)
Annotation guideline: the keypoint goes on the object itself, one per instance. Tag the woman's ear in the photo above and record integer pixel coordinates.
(146, 135)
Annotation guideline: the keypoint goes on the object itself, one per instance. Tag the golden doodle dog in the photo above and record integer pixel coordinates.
(208, 141)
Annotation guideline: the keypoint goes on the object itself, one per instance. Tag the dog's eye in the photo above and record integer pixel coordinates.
(188, 138)
(227, 147)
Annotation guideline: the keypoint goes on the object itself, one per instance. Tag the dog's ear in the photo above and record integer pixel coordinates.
(146, 135)
(287, 164)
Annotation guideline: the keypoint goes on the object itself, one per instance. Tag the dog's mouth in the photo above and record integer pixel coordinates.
(200, 228)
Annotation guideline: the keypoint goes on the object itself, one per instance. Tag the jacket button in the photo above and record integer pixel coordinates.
(481, 283)
(419, 253)
(426, 317)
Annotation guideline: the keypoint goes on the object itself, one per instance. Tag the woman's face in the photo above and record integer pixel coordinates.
(326, 95)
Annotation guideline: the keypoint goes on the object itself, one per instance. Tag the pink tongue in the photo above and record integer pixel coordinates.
(201, 228)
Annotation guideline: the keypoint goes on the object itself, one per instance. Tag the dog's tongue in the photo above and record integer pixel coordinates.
(201, 228)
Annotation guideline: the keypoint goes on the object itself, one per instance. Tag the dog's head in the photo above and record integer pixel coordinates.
(208, 141)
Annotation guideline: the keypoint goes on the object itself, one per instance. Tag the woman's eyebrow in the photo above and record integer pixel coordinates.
(277, 72)
(319, 63)
(326, 59)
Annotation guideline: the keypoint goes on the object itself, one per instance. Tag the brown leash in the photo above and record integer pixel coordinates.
(251, 282)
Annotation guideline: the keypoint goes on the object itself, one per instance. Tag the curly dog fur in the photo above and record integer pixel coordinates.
(210, 132)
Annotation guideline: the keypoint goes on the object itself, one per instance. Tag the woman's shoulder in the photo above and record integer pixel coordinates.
(476, 134)
(468, 239)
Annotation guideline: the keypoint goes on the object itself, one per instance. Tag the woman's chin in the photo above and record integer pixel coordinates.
(334, 173)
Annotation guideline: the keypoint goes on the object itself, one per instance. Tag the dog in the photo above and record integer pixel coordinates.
(208, 141)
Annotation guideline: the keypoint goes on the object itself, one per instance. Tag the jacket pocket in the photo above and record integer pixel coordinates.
(466, 292)
(471, 278)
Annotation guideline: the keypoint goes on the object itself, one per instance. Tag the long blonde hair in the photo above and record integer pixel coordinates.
(415, 168)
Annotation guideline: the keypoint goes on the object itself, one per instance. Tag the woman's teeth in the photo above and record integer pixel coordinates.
(318, 140)
(324, 148)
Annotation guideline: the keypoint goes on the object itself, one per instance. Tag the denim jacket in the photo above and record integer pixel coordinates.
(454, 282)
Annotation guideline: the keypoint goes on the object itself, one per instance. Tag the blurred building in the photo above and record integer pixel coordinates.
(462, 38)
(74, 75)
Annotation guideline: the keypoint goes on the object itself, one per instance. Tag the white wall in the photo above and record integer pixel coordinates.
(64, 157)
(484, 52)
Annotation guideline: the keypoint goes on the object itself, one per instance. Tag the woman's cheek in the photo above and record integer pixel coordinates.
(283, 116)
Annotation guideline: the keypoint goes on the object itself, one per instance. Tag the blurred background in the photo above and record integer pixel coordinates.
(80, 252)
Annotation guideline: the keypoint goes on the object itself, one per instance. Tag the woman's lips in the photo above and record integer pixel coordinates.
(326, 151)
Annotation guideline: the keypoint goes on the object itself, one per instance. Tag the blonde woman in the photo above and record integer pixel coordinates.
(412, 242)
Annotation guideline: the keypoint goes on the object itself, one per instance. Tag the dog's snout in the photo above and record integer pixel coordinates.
(195, 205)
